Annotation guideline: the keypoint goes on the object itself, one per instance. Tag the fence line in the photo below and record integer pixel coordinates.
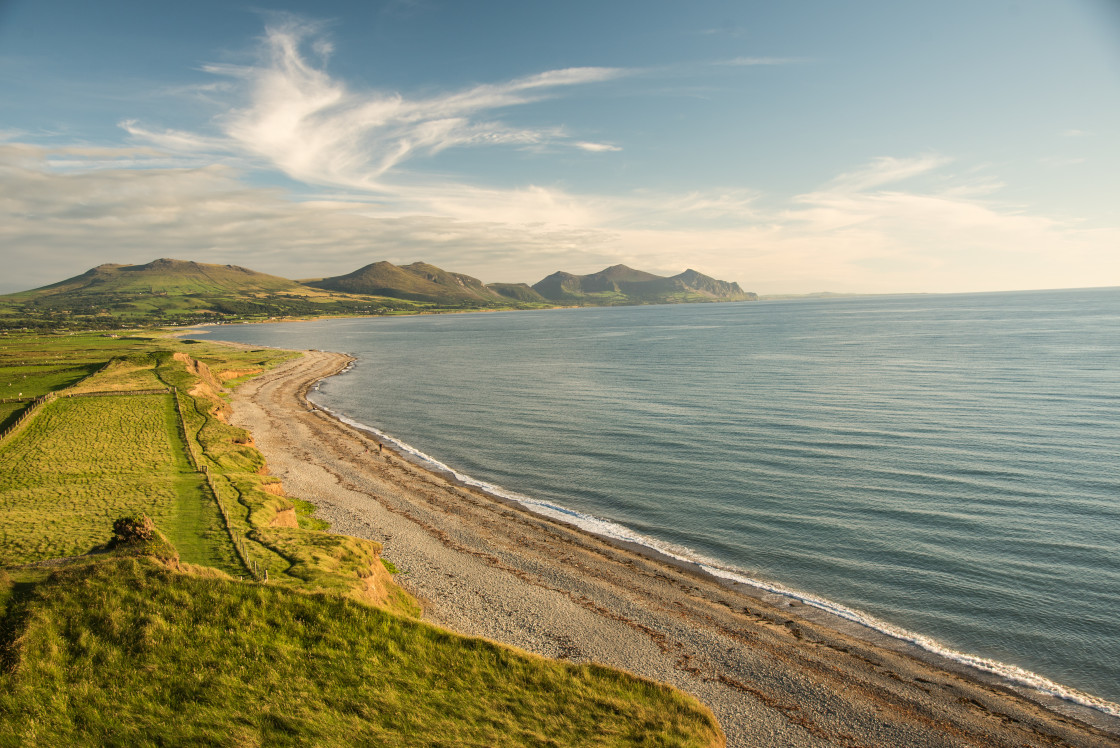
(37, 402)
(238, 541)
(53, 371)
(119, 393)
(31, 410)
(236, 538)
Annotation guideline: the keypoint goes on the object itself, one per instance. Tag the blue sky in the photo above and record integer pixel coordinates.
(793, 147)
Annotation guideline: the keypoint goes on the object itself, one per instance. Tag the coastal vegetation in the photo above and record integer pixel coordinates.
(126, 651)
(157, 586)
(174, 292)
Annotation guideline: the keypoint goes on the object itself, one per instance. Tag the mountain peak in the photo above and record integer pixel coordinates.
(621, 284)
(418, 281)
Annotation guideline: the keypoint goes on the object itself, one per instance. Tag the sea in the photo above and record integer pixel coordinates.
(944, 469)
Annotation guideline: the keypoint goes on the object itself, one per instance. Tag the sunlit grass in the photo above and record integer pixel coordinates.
(83, 462)
(125, 652)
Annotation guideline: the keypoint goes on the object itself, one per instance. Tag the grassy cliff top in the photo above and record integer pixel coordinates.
(160, 643)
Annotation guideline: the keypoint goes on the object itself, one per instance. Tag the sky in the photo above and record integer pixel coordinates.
(793, 147)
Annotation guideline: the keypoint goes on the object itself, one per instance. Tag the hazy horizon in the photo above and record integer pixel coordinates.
(868, 149)
(762, 296)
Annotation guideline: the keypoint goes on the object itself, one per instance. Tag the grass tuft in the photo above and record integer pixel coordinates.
(390, 566)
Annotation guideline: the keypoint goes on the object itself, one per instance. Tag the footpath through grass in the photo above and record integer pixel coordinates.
(83, 462)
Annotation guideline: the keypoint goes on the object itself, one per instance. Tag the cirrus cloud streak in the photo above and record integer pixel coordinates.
(317, 130)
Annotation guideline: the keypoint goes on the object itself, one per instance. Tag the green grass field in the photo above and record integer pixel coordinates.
(125, 652)
(83, 462)
(34, 381)
(135, 372)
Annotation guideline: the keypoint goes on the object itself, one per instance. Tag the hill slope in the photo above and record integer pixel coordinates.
(518, 292)
(167, 290)
(175, 291)
(126, 651)
(417, 282)
(620, 284)
(163, 276)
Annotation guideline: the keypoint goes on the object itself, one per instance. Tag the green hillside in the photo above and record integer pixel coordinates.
(416, 282)
(125, 651)
(178, 292)
(620, 284)
(164, 276)
(518, 292)
(175, 292)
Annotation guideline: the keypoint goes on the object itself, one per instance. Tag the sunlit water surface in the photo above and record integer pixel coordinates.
(949, 465)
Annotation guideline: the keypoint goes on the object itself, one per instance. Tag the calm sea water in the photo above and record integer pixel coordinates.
(943, 467)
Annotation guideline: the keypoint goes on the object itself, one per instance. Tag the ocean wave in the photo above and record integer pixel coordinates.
(614, 531)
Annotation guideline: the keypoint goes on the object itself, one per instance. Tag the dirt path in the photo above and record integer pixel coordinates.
(773, 675)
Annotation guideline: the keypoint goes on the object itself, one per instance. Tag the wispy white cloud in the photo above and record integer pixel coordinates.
(887, 170)
(892, 224)
(84, 217)
(1060, 161)
(726, 29)
(178, 141)
(595, 147)
(952, 238)
(315, 129)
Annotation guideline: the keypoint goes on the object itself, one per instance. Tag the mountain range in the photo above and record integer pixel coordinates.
(167, 291)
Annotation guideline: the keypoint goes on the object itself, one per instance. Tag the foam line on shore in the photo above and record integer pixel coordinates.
(620, 533)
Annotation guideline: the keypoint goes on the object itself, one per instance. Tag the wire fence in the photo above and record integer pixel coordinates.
(26, 415)
(254, 569)
(38, 402)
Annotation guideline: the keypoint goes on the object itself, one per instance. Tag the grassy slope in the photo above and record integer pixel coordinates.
(165, 276)
(621, 285)
(419, 281)
(519, 292)
(180, 292)
(82, 462)
(112, 296)
(126, 652)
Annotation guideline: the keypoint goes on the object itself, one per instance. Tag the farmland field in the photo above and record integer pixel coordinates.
(136, 372)
(33, 381)
(83, 462)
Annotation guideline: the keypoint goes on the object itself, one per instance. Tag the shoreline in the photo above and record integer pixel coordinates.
(775, 671)
(1040, 689)
(1049, 693)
